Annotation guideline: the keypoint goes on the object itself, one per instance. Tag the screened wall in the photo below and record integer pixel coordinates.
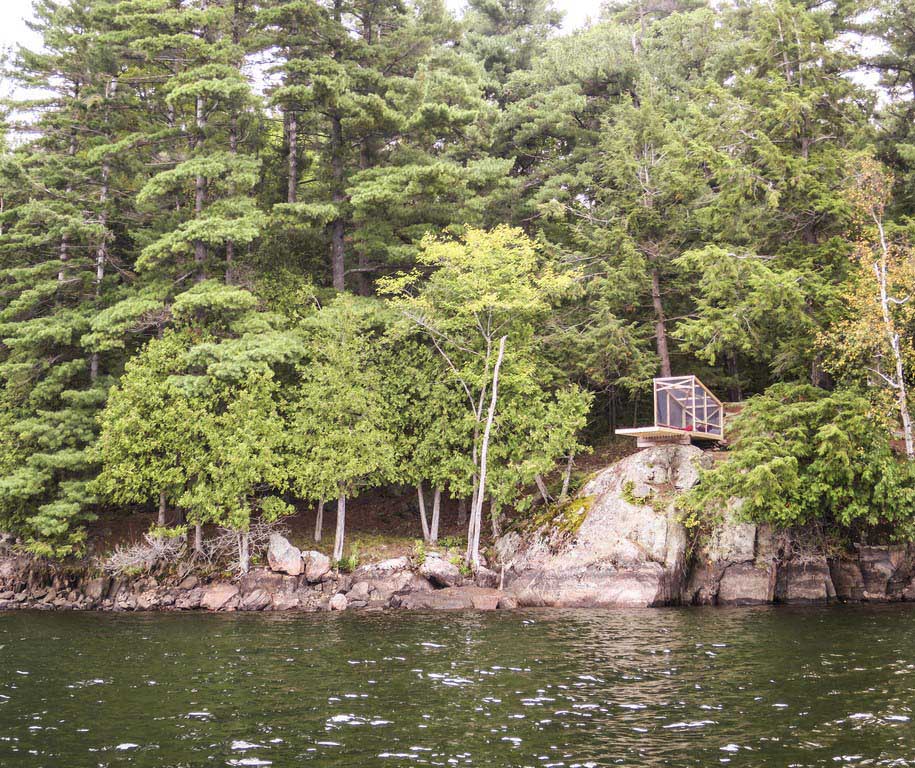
(684, 402)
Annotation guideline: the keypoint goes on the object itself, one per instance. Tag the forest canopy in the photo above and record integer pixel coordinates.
(257, 254)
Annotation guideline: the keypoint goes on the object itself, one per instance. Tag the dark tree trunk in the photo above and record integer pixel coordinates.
(660, 323)
(292, 129)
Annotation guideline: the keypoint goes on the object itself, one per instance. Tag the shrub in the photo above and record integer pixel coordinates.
(801, 455)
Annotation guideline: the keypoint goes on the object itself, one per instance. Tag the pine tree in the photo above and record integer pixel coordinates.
(57, 250)
(391, 122)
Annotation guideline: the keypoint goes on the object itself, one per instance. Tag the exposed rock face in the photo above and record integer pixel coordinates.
(441, 572)
(630, 549)
(383, 581)
(885, 571)
(283, 557)
(219, 597)
(452, 599)
(483, 577)
(806, 582)
(735, 566)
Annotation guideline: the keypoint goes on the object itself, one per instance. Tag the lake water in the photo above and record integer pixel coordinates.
(690, 687)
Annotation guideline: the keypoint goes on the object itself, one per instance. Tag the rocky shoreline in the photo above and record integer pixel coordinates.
(627, 549)
(30, 584)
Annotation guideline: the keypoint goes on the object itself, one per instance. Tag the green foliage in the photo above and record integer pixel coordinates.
(350, 562)
(419, 552)
(668, 188)
(338, 438)
(801, 454)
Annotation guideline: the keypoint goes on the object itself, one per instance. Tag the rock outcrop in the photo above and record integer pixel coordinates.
(729, 568)
(630, 549)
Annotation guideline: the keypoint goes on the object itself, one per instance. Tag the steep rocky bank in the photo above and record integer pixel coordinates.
(619, 544)
(632, 550)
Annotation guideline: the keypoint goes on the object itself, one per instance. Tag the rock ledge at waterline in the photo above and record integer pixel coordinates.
(630, 550)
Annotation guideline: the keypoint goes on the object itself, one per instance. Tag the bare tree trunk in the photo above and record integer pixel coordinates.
(462, 511)
(161, 520)
(544, 491)
(244, 555)
(660, 323)
(436, 509)
(319, 521)
(902, 397)
(293, 164)
(341, 525)
(198, 538)
(476, 517)
(422, 511)
(495, 513)
(567, 477)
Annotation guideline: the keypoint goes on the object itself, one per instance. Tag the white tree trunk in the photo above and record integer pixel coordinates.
(902, 397)
(436, 509)
(319, 521)
(244, 555)
(341, 525)
(422, 511)
(476, 517)
(198, 538)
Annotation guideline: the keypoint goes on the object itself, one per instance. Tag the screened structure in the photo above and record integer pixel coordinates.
(684, 410)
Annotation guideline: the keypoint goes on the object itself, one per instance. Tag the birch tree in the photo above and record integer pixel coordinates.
(875, 337)
(480, 307)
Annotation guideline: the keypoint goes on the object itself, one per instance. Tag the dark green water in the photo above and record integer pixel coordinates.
(767, 687)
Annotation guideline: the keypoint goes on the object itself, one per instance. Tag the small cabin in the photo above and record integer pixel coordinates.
(685, 411)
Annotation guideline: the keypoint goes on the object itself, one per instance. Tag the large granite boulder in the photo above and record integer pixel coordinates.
(317, 566)
(630, 549)
(282, 557)
(441, 572)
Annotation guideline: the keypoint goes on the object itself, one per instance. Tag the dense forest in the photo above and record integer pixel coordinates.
(263, 254)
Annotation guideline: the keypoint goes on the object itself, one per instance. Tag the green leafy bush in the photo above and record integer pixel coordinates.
(801, 454)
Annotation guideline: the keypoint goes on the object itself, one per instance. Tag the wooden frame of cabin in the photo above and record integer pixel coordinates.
(684, 410)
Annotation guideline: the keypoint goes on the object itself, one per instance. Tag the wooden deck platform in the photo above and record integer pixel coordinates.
(650, 436)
